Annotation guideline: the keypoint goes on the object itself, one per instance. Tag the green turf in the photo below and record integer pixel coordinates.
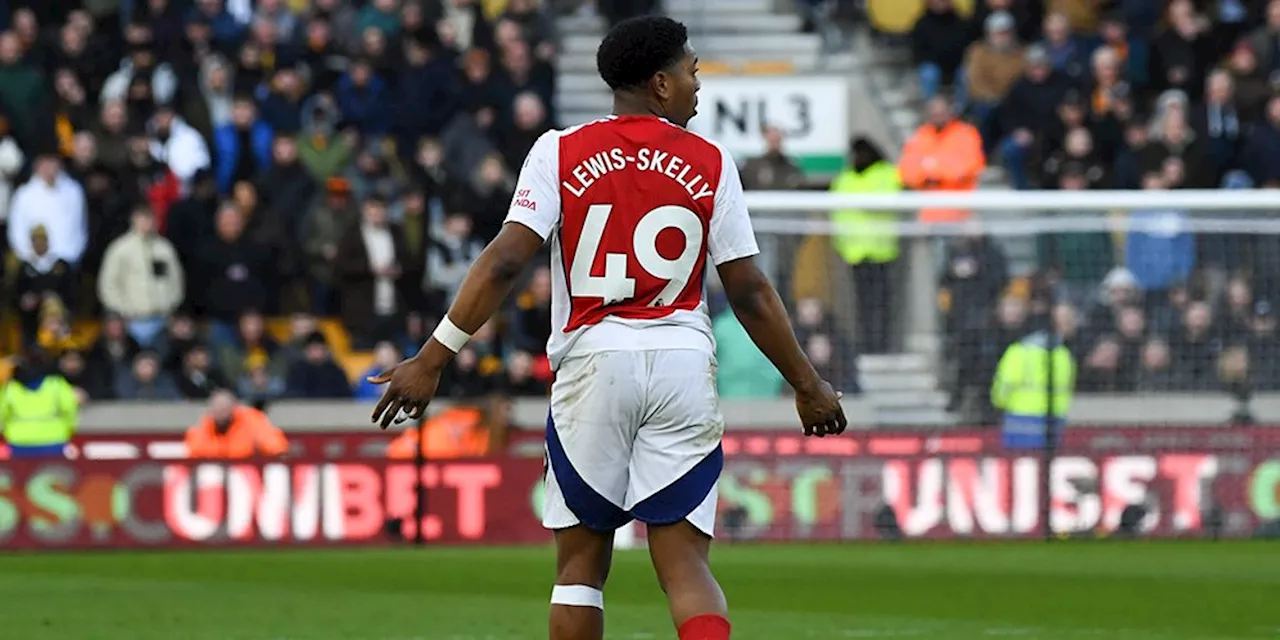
(1087, 590)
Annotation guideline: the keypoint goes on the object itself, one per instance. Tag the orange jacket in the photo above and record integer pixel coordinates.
(453, 433)
(251, 434)
(946, 159)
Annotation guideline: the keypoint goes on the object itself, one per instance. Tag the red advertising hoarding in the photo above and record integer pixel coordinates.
(174, 504)
(776, 486)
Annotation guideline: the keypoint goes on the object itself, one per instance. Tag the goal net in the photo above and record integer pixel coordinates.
(1164, 304)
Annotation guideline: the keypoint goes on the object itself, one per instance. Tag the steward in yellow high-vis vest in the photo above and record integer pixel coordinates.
(1021, 390)
(39, 412)
(868, 242)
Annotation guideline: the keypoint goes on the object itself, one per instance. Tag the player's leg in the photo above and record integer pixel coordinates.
(589, 435)
(681, 559)
(675, 464)
(583, 557)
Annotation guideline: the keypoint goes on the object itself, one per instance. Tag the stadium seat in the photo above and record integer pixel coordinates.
(894, 16)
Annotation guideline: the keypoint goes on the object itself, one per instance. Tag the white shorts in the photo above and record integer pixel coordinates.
(634, 435)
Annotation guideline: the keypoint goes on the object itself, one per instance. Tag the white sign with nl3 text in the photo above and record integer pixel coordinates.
(812, 111)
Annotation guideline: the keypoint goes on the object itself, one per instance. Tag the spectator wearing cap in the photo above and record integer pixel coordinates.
(1132, 52)
(991, 66)
(454, 246)
(142, 278)
(140, 64)
(324, 229)
(317, 376)
(868, 242)
(369, 271)
(242, 146)
(198, 379)
(1183, 52)
(944, 154)
(363, 99)
(322, 150)
(376, 171)
(23, 94)
(147, 380)
(41, 275)
(1217, 121)
(1119, 290)
(1031, 102)
(975, 272)
(177, 145)
(1261, 155)
(50, 199)
(938, 42)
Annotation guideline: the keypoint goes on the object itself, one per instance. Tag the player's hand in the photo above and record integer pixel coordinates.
(412, 385)
(820, 410)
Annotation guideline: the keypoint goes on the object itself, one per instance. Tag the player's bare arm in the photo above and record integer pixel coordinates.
(760, 309)
(488, 282)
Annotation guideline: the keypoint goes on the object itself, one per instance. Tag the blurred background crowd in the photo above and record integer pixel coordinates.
(1076, 95)
(192, 190)
(280, 196)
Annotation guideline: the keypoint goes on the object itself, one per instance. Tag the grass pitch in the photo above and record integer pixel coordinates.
(1137, 590)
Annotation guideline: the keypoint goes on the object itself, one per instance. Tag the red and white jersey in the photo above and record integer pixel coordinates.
(633, 206)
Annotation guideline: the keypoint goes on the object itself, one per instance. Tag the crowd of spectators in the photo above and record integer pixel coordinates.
(180, 170)
(1135, 94)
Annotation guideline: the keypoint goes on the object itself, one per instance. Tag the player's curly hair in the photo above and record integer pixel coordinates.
(637, 48)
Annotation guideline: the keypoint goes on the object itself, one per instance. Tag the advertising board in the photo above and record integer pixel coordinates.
(812, 112)
(776, 487)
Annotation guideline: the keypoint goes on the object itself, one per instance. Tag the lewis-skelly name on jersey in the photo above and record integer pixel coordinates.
(645, 160)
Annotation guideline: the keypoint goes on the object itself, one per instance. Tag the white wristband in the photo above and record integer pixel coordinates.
(448, 334)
